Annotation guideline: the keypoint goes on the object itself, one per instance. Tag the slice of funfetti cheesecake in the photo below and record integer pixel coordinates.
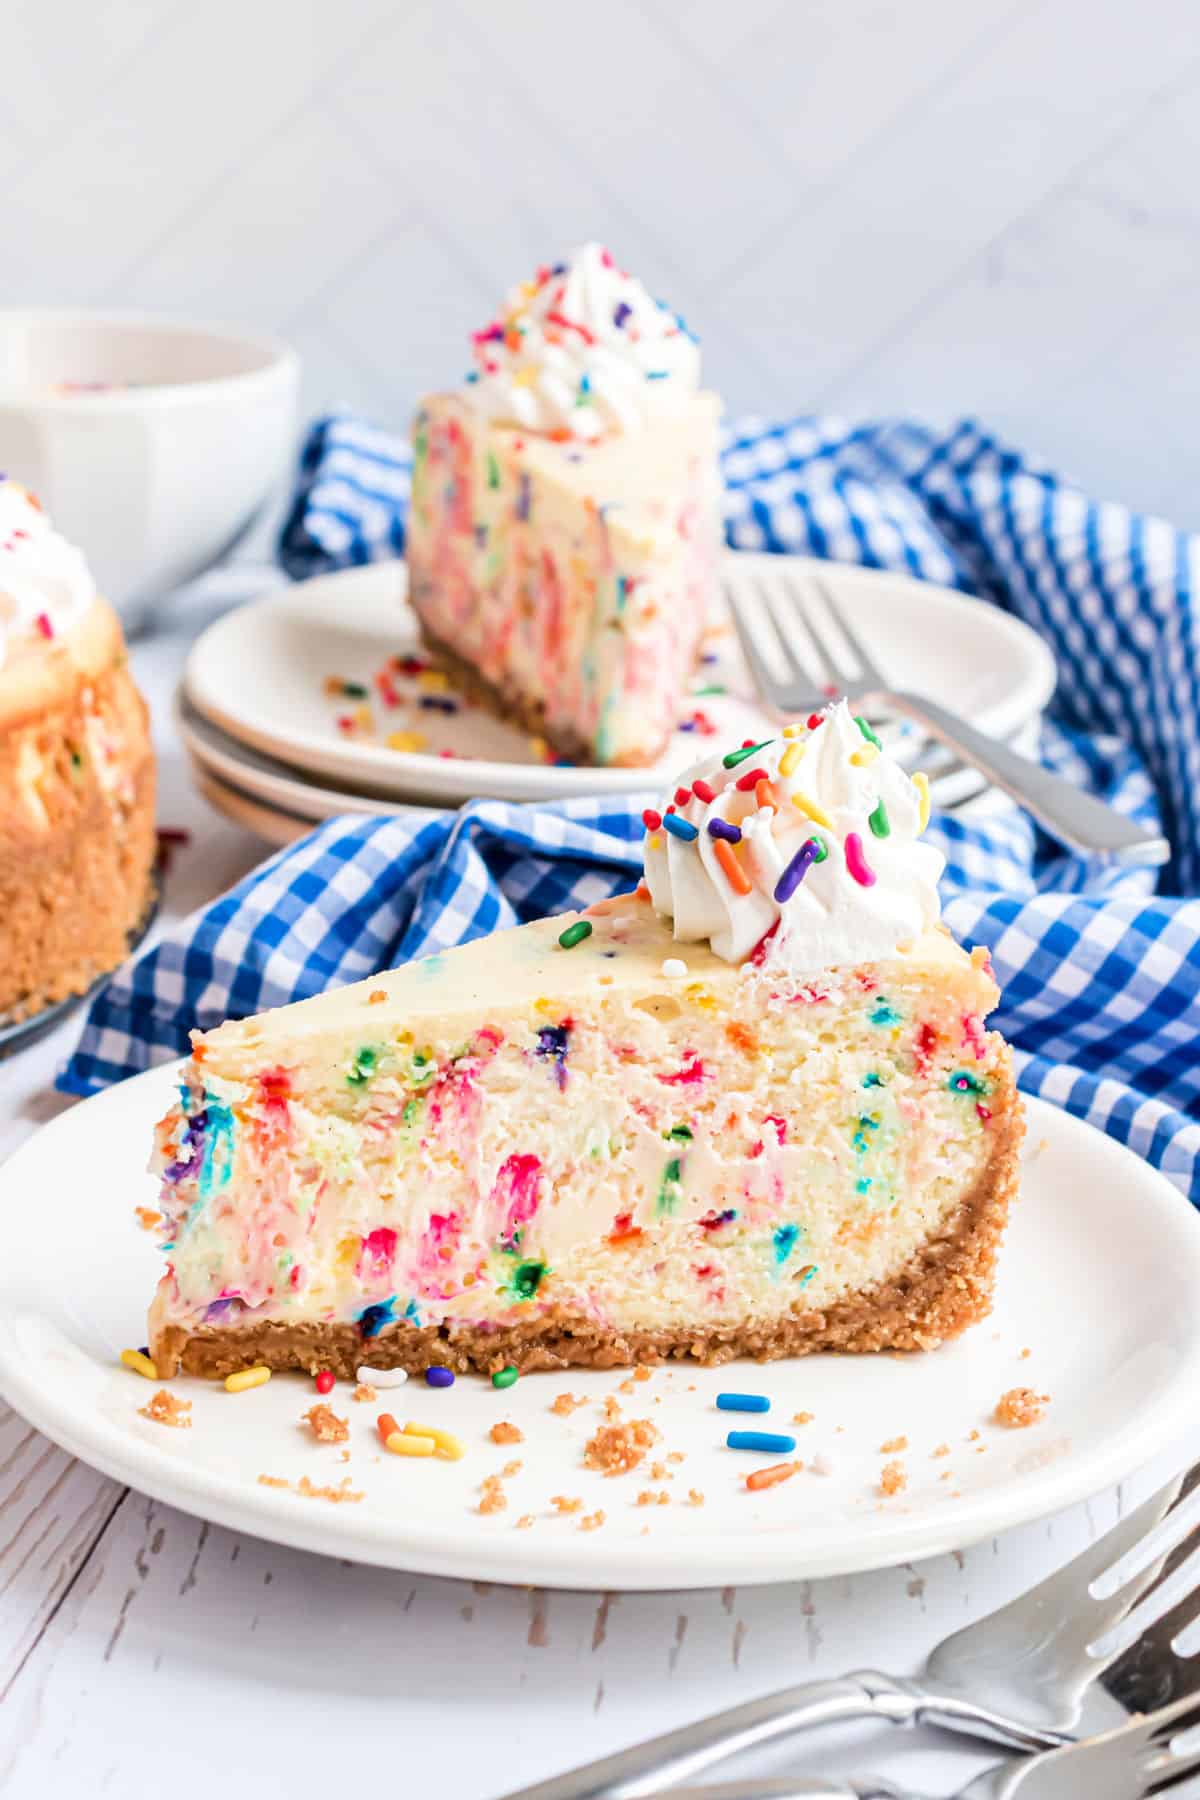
(564, 521)
(751, 1108)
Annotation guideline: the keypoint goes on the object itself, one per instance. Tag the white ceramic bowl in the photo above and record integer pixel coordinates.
(151, 444)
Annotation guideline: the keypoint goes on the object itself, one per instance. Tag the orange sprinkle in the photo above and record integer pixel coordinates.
(765, 794)
(741, 1037)
(768, 1478)
(385, 1425)
(641, 891)
(733, 871)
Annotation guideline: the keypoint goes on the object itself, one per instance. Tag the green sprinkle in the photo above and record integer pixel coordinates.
(354, 690)
(575, 934)
(711, 687)
(493, 471)
(739, 756)
(866, 731)
(670, 1190)
(963, 1082)
(504, 1377)
(363, 1067)
(679, 1134)
(822, 848)
(527, 1278)
(878, 821)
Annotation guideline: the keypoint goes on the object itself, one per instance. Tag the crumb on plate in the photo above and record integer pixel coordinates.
(891, 1445)
(364, 1392)
(505, 1432)
(492, 1498)
(325, 1425)
(892, 1479)
(164, 1409)
(616, 1449)
(1019, 1407)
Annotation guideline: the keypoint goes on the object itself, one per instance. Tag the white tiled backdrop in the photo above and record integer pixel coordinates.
(862, 205)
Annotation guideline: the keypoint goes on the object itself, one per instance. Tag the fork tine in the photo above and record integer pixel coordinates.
(784, 628)
(1169, 1774)
(1144, 1549)
(796, 689)
(838, 614)
(796, 598)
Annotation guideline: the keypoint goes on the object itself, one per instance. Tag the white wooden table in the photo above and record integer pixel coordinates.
(148, 1655)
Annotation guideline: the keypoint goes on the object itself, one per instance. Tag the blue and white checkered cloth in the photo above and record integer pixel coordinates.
(1100, 968)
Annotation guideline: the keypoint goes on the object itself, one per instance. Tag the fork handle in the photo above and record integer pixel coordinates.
(678, 1755)
(1074, 818)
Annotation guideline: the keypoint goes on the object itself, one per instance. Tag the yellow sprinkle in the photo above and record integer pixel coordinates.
(812, 811)
(790, 758)
(866, 755)
(406, 740)
(363, 719)
(140, 1364)
(403, 1443)
(921, 782)
(654, 841)
(447, 1445)
(434, 681)
(796, 729)
(247, 1378)
(525, 377)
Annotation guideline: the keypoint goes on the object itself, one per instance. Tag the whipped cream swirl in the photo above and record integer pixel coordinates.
(582, 351)
(45, 584)
(736, 864)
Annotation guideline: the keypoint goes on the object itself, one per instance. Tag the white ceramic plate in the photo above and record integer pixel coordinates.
(218, 758)
(259, 674)
(1098, 1279)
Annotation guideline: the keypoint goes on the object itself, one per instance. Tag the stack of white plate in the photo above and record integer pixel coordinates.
(317, 700)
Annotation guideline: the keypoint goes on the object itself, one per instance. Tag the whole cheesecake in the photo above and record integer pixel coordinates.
(565, 514)
(77, 776)
(752, 1108)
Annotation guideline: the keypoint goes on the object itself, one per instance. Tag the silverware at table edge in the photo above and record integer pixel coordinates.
(1016, 1677)
(1075, 818)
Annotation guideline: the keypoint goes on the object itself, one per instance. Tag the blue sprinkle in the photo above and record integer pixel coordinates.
(372, 1319)
(784, 1238)
(743, 1403)
(871, 1079)
(680, 828)
(657, 374)
(863, 1184)
(884, 1013)
(774, 1443)
(472, 374)
(439, 1376)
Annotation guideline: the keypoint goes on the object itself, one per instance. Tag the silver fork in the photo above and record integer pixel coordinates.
(1074, 818)
(1131, 1763)
(1017, 1677)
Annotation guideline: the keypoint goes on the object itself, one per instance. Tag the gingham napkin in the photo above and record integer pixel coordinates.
(1100, 968)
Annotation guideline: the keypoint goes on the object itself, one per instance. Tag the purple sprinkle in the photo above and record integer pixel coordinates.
(795, 872)
(721, 828)
(439, 1376)
(524, 497)
(621, 312)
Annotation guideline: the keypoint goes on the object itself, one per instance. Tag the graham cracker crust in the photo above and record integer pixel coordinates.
(940, 1291)
(525, 712)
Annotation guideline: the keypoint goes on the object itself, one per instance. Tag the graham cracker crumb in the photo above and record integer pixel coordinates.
(893, 1444)
(1019, 1407)
(612, 1408)
(616, 1449)
(626, 1387)
(648, 1497)
(695, 1497)
(973, 1437)
(1026, 1354)
(364, 1392)
(803, 1418)
(565, 1404)
(524, 1522)
(492, 1498)
(642, 1373)
(505, 1432)
(376, 996)
(273, 1481)
(564, 1504)
(147, 1217)
(512, 1468)
(325, 1425)
(660, 1472)
(592, 1521)
(942, 1450)
(164, 1409)
(892, 1479)
(677, 1456)
(341, 1495)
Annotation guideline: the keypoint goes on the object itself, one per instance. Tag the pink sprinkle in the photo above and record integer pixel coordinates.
(690, 1073)
(973, 1035)
(985, 1112)
(856, 862)
(44, 626)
